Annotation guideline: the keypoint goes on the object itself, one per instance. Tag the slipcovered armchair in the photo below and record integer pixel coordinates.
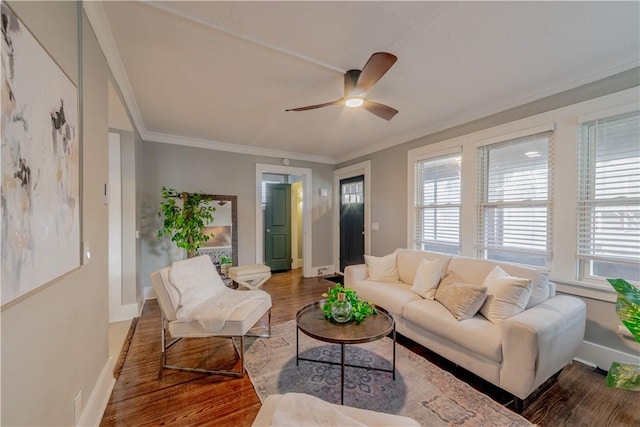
(195, 303)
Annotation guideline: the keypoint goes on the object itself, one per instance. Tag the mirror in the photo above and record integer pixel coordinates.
(224, 229)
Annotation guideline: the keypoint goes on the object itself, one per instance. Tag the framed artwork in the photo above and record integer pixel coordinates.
(40, 164)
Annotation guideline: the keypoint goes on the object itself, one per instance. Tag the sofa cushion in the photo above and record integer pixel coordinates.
(476, 334)
(382, 269)
(540, 289)
(409, 259)
(506, 295)
(390, 296)
(473, 270)
(463, 300)
(427, 279)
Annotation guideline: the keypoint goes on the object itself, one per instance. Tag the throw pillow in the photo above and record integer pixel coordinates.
(463, 300)
(506, 295)
(427, 279)
(382, 269)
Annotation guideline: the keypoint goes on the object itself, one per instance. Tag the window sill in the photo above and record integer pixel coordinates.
(595, 291)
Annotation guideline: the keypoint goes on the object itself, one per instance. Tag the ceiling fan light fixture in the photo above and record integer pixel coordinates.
(354, 102)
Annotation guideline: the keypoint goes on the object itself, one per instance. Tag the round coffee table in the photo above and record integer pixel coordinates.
(311, 321)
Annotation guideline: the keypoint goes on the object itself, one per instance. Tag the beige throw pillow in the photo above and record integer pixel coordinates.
(506, 295)
(427, 279)
(382, 269)
(463, 300)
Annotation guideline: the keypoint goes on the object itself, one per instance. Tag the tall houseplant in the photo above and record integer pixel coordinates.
(626, 375)
(184, 222)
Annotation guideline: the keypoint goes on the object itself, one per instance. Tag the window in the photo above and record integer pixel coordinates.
(515, 194)
(352, 192)
(437, 204)
(609, 198)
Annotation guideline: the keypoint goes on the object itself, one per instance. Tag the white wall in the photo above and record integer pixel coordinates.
(54, 341)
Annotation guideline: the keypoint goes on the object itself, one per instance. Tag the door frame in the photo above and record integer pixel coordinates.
(362, 168)
(117, 310)
(306, 175)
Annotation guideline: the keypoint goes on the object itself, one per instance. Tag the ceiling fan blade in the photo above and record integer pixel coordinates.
(380, 110)
(313, 107)
(376, 67)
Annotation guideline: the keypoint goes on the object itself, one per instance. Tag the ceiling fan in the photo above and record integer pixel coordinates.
(358, 82)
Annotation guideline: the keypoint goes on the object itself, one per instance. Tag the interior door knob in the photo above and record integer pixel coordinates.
(268, 230)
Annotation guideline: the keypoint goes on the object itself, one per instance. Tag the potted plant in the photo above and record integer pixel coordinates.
(360, 309)
(225, 263)
(626, 375)
(184, 222)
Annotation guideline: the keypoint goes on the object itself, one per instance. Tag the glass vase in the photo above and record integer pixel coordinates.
(341, 309)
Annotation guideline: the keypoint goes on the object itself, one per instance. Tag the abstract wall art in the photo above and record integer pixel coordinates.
(40, 164)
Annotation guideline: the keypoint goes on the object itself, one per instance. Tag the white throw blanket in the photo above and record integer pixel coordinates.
(298, 409)
(203, 295)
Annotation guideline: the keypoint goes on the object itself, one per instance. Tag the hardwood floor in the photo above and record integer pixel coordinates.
(141, 397)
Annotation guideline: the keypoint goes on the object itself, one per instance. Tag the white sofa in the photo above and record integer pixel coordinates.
(517, 355)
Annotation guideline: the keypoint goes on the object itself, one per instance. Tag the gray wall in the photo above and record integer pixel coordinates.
(389, 191)
(54, 341)
(199, 170)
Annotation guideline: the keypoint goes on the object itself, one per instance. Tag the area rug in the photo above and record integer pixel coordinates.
(421, 390)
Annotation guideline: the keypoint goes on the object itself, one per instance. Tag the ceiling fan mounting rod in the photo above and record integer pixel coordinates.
(350, 81)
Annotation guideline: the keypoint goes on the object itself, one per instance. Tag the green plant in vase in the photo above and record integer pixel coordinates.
(360, 309)
(184, 223)
(626, 375)
(225, 263)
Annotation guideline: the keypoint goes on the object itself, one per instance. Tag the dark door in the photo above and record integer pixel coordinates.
(351, 221)
(277, 227)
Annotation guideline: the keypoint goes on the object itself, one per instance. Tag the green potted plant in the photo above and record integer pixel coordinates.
(225, 263)
(359, 309)
(184, 222)
(626, 375)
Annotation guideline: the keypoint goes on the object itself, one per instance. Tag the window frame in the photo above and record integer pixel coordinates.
(414, 159)
(484, 204)
(587, 199)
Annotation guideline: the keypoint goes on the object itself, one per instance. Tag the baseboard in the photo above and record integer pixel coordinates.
(124, 312)
(99, 398)
(149, 293)
(599, 356)
(322, 270)
(297, 263)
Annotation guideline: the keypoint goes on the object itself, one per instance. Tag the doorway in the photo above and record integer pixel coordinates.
(351, 221)
(277, 226)
(304, 175)
(363, 171)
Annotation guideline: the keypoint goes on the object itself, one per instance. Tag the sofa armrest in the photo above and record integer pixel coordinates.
(355, 273)
(539, 342)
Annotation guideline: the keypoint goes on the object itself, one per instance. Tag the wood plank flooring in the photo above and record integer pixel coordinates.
(141, 397)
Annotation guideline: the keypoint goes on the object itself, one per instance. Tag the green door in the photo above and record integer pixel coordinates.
(277, 227)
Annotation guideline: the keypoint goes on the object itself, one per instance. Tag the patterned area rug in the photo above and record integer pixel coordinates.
(421, 390)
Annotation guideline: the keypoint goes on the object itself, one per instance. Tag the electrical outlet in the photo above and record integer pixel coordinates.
(77, 407)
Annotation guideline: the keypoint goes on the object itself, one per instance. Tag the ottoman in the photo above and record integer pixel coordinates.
(250, 276)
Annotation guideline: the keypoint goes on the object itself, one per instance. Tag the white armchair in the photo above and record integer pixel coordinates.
(195, 303)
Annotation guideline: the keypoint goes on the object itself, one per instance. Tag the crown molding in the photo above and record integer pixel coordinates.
(98, 20)
(233, 148)
(487, 112)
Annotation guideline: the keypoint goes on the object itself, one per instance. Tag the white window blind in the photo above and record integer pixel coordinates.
(515, 200)
(437, 204)
(609, 198)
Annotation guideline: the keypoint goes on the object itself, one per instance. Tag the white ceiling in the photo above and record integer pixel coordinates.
(221, 74)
